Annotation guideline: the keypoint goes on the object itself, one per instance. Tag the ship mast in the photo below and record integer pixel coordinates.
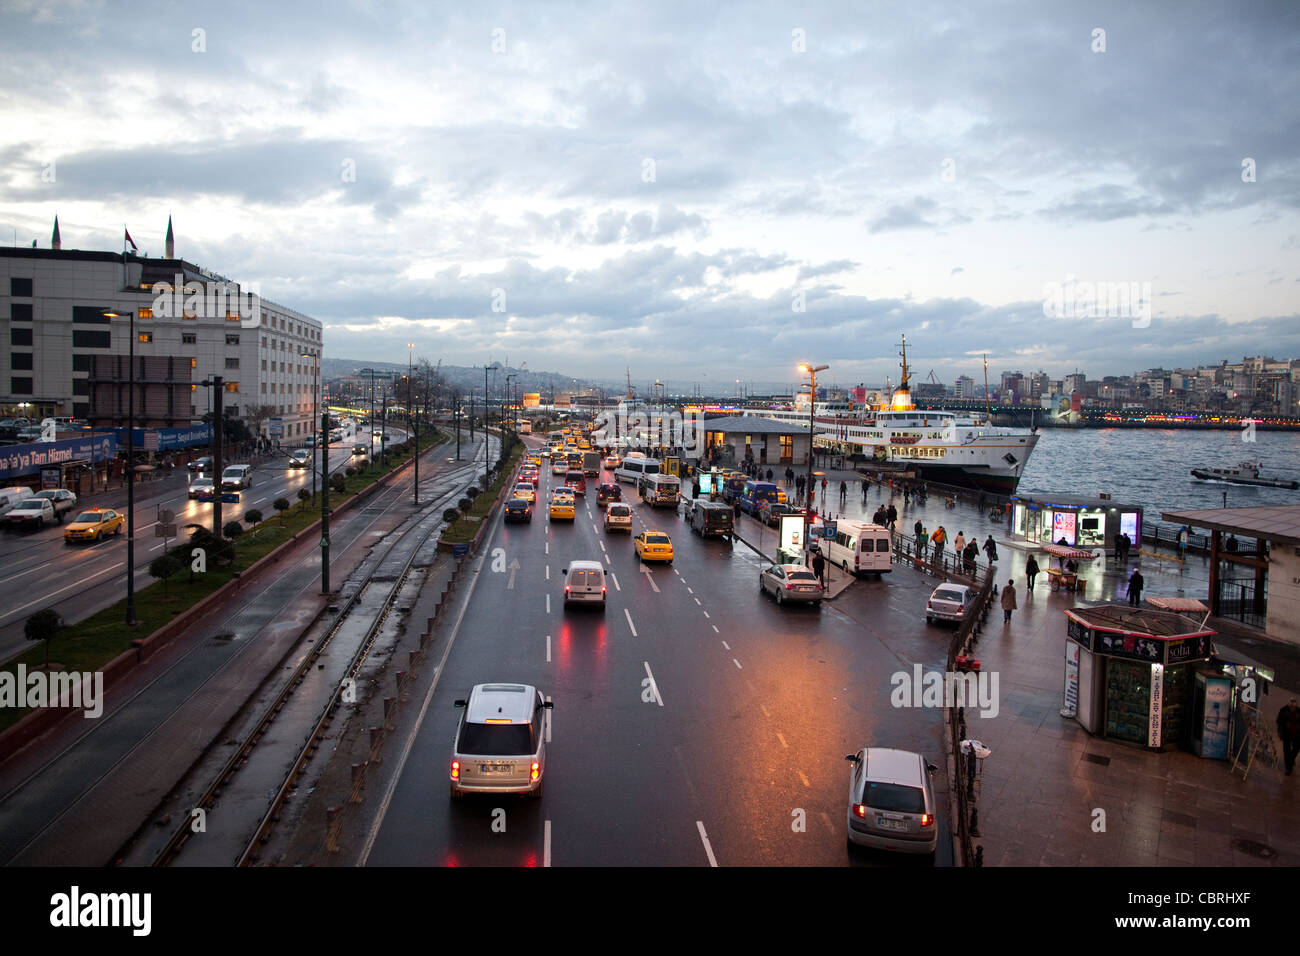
(986, 388)
(903, 384)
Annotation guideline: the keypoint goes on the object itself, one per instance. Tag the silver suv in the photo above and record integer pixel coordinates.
(891, 801)
(500, 744)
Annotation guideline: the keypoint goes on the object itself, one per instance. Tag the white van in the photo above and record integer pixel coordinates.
(584, 583)
(237, 477)
(861, 548)
(634, 469)
(11, 496)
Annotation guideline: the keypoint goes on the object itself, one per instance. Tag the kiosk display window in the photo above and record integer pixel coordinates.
(1128, 700)
(1175, 728)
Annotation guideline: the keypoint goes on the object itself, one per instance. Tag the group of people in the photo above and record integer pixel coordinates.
(886, 517)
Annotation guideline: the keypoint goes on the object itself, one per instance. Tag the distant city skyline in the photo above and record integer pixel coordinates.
(685, 192)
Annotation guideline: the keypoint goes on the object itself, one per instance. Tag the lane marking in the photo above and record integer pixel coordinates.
(783, 743)
(614, 577)
(715, 629)
(548, 604)
(804, 779)
(653, 685)
(766, 712)
(120, 564)
(830, 826)
(546, 844)
(628, 614)
(548, 544)
(737, 663)
(708, 849)
(726, 645)
(706, 613)
(607, 561)
(15, 577)
(602, 545)
(697, 600)
(548, 648)
(549, 716)
(690, 590)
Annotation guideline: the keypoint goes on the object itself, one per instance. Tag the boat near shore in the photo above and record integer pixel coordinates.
(1247, 473)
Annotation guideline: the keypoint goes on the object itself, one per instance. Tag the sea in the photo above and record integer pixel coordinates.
(1152, 467)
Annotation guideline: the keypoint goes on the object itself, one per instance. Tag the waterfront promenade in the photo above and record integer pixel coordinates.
(1048, 788)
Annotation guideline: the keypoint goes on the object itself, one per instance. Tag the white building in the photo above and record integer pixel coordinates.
(51, 316)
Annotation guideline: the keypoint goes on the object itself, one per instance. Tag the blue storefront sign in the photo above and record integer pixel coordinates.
(20, 460)
(170, 438)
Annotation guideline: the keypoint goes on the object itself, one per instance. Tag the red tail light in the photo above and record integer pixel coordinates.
(860, 809)
(927, 820)
(536, 771)
(566, 589)
(455, 770)
(602, 589)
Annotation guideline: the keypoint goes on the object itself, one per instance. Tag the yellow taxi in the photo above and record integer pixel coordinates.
(562, 507)
(584, 445)
(653, 546)
(93, 524)
(535, 460)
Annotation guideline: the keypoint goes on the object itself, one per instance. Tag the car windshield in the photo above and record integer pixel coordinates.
(31, 504)
(232, 473)
(946, 594)
(496, 740)
(92, 516)
(894, 797)
(203, 483)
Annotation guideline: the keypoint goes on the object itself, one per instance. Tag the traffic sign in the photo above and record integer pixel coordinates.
(276, 428)
(828, 529)
(230, 497)
(161, 530)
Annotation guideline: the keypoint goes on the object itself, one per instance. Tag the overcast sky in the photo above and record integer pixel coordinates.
(661, 185)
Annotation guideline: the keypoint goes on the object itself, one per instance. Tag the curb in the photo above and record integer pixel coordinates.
(41, 721)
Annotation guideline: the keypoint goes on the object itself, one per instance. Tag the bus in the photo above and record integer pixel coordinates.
(633, 469)
(659, 489)
(525, 428)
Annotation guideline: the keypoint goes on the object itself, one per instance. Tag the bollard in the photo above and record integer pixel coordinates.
(429, 626)
(333, 827)
(414, 657)
(376, 741)
(389, 706)
(358, 781)
(979, 855)
(401, 679)
(974, 821)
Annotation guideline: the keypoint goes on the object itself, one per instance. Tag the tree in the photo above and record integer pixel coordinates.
(258, 414)
(253, 516)
(232, 529)
(304, 496)
(450, 515)
(338, 482)
(44, 625)
(281, 505)
(163, 567)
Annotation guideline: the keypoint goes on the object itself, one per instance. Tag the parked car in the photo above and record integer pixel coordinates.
(773, 512)
(500, 744)
(790, 582)
(62, 499)
(891, 801)
(93, 524)
(31, 514)
(948, 602)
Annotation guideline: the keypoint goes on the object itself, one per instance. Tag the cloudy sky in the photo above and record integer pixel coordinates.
(702, 192)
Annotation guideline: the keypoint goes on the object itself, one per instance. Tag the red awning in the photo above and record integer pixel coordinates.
(1065, 551)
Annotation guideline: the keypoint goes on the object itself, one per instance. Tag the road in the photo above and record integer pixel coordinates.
(40, 570)
(695, 722)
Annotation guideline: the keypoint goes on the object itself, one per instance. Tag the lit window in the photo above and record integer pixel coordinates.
(144, 336)
(232, 386)
(190, 315)
(232, 316)
(194, 363)
(145, 313)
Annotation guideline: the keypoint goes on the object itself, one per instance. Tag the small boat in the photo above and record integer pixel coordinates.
(1247, 473)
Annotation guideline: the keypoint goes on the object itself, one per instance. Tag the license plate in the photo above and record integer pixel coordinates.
(496, 768)
(890, 824)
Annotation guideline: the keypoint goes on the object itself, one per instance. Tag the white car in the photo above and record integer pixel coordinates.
(500, 744)
(584, 583)
(891, 801)
(618, 517)
(948, 603)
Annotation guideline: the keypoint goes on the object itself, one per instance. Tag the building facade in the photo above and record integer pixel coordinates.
(52, 305)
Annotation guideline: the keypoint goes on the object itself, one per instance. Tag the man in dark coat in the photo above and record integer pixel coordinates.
(991, 549)
(819, 567)
(1031, 571)
(1135, 583)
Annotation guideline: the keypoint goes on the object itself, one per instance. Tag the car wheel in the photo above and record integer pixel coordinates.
(929, 619)
(117, 532)
(537, 794)
(98, 536)
(780, 597)
(455, 794)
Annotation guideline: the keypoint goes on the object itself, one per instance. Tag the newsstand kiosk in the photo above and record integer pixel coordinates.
(1130, 672)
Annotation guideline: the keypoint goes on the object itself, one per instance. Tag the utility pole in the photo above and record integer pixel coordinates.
(325, 510)
(218, 438)
(410, 414)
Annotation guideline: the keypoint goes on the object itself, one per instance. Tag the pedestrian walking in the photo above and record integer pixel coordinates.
(1288, 729)
(1135, 583)
(972, 554)
(819, 567)
(991, 549)
(735, 507)
(1125, 542)
(1008, 601)
(937, 539)
(959, 543)
(1230, 545)
(892, 517)
(844, 491)
(918, 530)
(1031, 571)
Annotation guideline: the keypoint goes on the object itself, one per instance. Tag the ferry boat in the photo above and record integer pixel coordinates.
(1247, 473)
(934, 445)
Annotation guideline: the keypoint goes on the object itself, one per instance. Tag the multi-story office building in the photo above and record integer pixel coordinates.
(52, 305)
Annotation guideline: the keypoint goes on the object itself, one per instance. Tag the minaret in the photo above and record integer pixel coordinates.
(169, 252)
(55, 241)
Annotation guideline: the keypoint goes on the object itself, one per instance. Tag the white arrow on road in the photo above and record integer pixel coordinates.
(514, 566)
(649, 576)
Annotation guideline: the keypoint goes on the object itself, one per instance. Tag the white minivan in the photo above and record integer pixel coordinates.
(861, 548)
(584, 583)
(11, 496)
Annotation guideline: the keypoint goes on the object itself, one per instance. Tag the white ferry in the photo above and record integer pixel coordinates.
(934, 445)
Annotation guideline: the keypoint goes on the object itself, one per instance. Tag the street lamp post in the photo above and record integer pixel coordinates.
(410, 413)
(130, 466)
(325, 509)
(812, 371)
(315, 417)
